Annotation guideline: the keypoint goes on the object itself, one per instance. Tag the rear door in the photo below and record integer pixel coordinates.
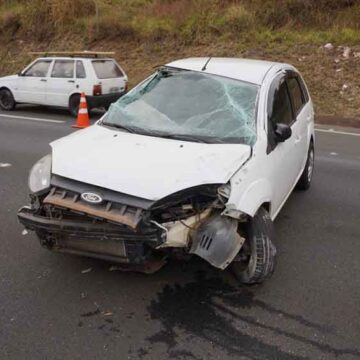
(61, 82)
(32, 83)
(109, 75)
(303, 115)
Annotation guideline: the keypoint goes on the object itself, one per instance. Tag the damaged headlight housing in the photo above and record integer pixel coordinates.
(39, 177)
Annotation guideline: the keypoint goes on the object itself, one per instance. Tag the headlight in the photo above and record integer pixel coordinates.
(39, 178)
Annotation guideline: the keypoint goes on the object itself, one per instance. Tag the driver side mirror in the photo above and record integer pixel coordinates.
(282, 132)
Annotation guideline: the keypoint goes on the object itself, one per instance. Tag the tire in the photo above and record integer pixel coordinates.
(74, 104)
(306, 177)
(7, 101)
(255, 262)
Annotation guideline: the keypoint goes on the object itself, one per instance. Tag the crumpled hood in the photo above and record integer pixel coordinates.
(143, 166)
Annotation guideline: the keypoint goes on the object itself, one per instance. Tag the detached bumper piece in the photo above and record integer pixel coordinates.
(102, 240)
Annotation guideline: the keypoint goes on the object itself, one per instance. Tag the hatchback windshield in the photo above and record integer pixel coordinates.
(190, 106)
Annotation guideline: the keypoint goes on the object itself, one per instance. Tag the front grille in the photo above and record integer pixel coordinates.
(112, 211)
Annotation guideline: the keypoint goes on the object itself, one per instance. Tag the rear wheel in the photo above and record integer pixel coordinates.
(306, 177)
(7, 101)
(256, 260)
(74, 104)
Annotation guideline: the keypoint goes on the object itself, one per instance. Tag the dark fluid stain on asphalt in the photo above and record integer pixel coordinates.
(91, 313)
(207, 308)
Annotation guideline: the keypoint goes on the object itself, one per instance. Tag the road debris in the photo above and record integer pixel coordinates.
(108, 313)
(24, 232)
(86, 271)
(4, 165)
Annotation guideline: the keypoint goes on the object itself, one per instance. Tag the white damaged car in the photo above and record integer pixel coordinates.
(197, 159)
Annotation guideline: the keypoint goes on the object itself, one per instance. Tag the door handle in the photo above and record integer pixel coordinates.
(43, 80)
(71, 81)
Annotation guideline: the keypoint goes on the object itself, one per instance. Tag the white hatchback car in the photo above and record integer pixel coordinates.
(197, 159)
(59, 80)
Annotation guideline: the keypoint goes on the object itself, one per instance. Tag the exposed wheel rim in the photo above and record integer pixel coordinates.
(310, 165)
(6, 100)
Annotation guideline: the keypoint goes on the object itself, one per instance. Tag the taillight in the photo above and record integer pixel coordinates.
(126, 86)
(97, 90)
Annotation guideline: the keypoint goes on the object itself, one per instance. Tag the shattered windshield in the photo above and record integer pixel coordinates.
(189, 105)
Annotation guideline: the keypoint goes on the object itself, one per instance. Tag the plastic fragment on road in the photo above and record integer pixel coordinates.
(86, 271)
(24, 232)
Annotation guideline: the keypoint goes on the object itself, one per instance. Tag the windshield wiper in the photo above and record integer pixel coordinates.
(118, 126)
(184, 137)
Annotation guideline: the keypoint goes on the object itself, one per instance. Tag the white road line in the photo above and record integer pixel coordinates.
(32, 118)
(332, 131)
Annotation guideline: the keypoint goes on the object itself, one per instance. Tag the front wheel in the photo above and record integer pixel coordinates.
(306, 177)
(256, 260)
(7, 101)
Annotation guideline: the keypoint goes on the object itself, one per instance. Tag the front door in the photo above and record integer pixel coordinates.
(31, 85)
(283, 157)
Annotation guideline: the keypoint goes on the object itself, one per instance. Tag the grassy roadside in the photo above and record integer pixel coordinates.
(146, 33)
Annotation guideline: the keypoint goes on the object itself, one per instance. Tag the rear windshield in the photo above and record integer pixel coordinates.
(106, 69)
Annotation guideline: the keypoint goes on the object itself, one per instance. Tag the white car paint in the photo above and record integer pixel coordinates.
(143, 166)
(48, 90)
(152, 168)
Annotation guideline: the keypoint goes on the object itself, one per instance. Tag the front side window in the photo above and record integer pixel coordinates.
(297, 96)
(281, 106)
(106, 69)
(38, 69)
(63, 69)
(189, 105)
(80, 70)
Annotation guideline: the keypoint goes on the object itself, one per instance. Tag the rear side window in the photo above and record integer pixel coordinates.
(296, 93)
(106, 69)
(39, 69)
(80, 70)
(281, 107)
(63, 69)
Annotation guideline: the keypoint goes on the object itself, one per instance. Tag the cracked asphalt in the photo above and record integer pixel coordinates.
(55, 306)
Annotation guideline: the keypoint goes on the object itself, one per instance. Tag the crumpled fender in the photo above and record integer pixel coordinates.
(217, 241)
(247, 198)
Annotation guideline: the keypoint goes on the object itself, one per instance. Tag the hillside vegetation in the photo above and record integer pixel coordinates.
(145, 33)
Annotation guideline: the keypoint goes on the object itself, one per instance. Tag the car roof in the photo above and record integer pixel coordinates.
(72, 58)
(252, 71)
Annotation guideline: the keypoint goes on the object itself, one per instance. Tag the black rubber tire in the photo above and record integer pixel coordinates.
(259, 233)
(74, 103)
(7, 101)
(305, 179)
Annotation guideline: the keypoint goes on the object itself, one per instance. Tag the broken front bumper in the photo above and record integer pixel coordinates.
(100, 240)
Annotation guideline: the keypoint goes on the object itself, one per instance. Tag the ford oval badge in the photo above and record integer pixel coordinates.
(91, 197)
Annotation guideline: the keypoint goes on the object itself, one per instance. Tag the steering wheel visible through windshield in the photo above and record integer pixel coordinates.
(189, 105)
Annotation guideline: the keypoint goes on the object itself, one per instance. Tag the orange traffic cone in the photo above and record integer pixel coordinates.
(82, 120)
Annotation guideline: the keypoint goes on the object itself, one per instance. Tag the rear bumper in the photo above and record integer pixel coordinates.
(99, 240)
(103, 100)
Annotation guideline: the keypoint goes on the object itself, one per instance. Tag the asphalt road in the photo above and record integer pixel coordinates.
(56, 306)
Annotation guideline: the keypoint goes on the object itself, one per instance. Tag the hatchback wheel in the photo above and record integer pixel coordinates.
(74, 104)
(256, 260)
(7, 101)
(306, 177)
